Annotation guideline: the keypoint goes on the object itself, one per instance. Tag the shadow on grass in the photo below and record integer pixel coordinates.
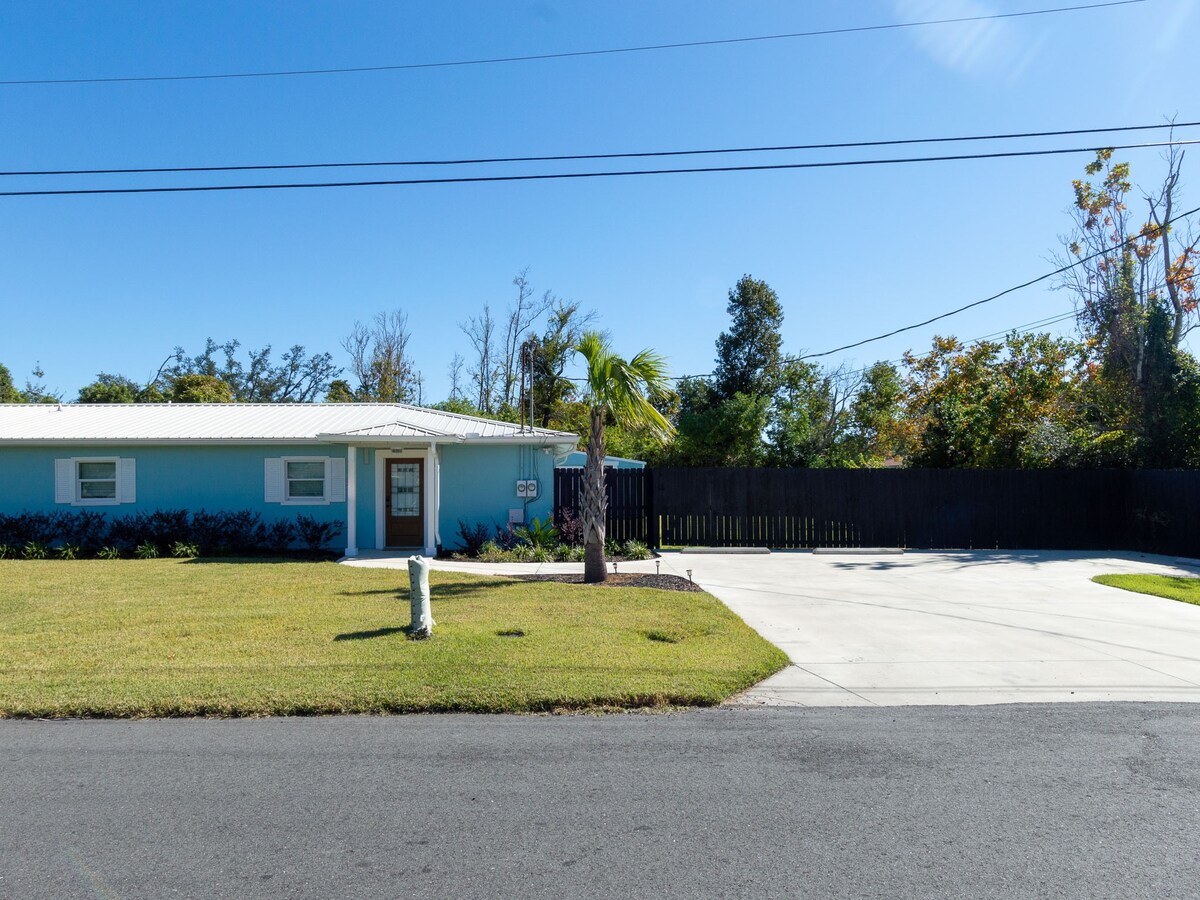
(273, 560)
(373, 633)
(441, 590)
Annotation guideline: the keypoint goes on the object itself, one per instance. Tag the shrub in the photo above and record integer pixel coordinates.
(26, 527)
(127, 531)
(164, 527)
(635, 550)
(541, 554)
(34, 550)
(278, 536)
(491, 552)
(570, 527)
(472, 537)
(242, 531)
(538, 534)
(208, 530)
(146, 550)
(184, 550)
(109, 552)
(67, 551)
(507, 537)
(7, 551)
(87, 530)
(315, 534)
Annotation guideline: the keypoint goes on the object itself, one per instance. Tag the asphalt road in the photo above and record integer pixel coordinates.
(1073, 800)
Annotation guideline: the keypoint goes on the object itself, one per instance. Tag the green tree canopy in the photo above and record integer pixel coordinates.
(200, 389)
(117, 389)
(8, 391)
(749, 354)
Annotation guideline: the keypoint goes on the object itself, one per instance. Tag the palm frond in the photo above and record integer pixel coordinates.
(626, 389)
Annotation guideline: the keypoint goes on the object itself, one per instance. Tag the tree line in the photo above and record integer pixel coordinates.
(1124, 391)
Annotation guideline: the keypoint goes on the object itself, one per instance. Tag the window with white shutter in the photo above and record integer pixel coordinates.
(95, 480)
(304, 480)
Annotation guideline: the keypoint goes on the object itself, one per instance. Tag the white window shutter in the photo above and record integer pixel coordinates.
(273, 483)
(127, 480)
(336, 467)
(64, 481)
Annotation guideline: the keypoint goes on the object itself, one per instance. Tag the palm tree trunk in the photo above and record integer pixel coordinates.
(594, 501)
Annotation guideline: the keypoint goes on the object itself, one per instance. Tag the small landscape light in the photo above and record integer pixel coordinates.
(614, 567)
(657, 564)
(689, 571)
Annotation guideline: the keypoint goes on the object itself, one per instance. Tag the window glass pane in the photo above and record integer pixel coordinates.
(306, 470)
(97, 470)
(97, 490)
(306, 488)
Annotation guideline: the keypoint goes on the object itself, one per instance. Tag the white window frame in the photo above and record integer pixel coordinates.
(76, 488)
(324, 499)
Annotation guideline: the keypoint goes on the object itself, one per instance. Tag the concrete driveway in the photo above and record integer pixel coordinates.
(959, 627)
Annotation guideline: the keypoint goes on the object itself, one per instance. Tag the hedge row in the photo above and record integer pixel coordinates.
(240, 533)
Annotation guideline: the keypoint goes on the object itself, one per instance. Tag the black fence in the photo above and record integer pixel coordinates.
(628, 501)
(1150, 511)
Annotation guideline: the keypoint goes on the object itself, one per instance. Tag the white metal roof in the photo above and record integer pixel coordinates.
(254, 422)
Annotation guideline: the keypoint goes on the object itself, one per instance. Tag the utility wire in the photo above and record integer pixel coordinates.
(1020, 329)
(558, 176)
(1003, 293)
(568, 54)
(596, 156)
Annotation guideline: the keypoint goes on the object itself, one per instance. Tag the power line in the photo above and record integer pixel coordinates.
(1003, 293)
(1023, 328)
(558, 176)
(575, 157)
(567, 54)
(1020, 329)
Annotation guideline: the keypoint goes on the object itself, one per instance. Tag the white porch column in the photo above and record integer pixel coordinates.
(351, 501)
(431, 500)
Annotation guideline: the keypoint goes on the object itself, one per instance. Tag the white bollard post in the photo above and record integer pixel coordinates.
(418, 593)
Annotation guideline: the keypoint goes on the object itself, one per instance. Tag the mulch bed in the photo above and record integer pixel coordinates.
(625, 579)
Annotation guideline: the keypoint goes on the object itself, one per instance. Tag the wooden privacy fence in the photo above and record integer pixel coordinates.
(1151, 511)
(628, 506)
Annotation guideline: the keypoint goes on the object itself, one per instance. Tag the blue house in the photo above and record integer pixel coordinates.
(396, 476)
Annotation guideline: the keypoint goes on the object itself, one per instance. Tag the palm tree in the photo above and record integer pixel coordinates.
(623, 391)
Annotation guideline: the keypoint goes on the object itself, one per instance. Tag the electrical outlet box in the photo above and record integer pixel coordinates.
(516, 517)
(527, 489)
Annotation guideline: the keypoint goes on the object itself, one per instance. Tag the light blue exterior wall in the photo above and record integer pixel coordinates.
(479, 485)
(168, 477)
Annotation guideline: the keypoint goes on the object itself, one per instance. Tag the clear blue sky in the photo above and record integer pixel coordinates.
(114, 283)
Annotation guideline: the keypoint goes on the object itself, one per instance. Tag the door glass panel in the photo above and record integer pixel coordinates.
(406, 489)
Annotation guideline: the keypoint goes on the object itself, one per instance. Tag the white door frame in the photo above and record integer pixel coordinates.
(431, 488)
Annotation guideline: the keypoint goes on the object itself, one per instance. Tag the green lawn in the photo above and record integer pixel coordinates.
(185, 637)
(1169, 586)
